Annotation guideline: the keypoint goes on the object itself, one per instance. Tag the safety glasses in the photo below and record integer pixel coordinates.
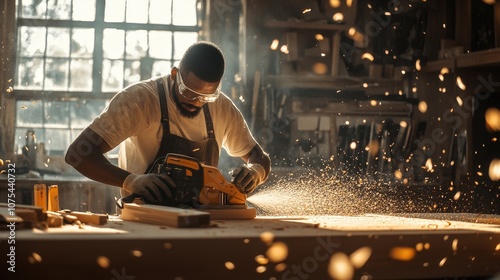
(192, 95)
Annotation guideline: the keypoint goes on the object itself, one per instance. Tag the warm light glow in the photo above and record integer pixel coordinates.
(335, 3)
(275, 44)
(229, 265)
(267, 237)
(338, 17)
(459, 101)
(340, 267)
(373, 103)
(417, 65)
(284, 49)
(278, 252)
(103, 262)
(422, 106)
(349, 3)
(444, 70)
(261, 259)
(457, 196)
(306, 11)
(368, 56)
(402, 253)
(494, 170)
(428, 165)
(319, 37)
(360, 256)
(442, 262)
(320, 68)
(492, 117)
(460, 84)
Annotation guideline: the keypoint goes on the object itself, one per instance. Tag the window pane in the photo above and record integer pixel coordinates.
(56, 113)
(160, 44)
(160, 11)
(137, 44)
(161, 68)
(82, 42)
(84, 111)
(31, 41)
(132, 72)
(57, 9)
(33, 9)
(184, 12)
(112, 75)
(56, 74)
(84, 10)
(29, 113)
(114, 11)
(182, 41)
(58, 42)
(113, 43)
(137, 11)
(56, 141)
(81, 75)
(30, 73)
(21, 139)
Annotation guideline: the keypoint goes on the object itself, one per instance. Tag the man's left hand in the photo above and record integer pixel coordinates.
(248, 176)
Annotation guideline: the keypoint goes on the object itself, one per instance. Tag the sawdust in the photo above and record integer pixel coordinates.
(322, 192)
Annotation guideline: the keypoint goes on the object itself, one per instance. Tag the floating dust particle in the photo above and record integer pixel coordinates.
(261, 269)
(261, 259)
(278, 252)
(103, 261)
(267, 237)
(402, 253)
(136, 253)
(454, 245)
(280, 267)
(443, 261)
(340, 267)
(229, 265)
(34, 258)
(360, 256)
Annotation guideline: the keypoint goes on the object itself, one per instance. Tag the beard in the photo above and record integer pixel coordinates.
(183, 111)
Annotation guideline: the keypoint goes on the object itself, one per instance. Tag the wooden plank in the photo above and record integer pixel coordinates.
(164, 215)
(90, 218)
(232, 214)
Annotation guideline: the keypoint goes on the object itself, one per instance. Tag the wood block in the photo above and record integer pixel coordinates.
(164, 215)
(53, 204)
(90, 218)
(40, 196)
(232, 214)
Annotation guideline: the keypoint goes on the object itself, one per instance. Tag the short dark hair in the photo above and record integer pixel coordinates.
(205, 60)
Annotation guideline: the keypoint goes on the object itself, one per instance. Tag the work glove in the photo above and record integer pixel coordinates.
(248, 176)
(153, 188)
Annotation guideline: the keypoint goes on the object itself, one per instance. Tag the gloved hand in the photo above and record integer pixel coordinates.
(154, 188)
(248, 176)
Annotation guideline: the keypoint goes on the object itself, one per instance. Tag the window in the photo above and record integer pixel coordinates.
(74, 55)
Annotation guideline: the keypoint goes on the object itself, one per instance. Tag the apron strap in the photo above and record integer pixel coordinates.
(208, 122)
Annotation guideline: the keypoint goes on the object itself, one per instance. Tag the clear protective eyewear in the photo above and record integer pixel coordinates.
(192, 95)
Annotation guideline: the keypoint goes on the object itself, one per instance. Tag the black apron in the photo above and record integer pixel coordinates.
(206, 151)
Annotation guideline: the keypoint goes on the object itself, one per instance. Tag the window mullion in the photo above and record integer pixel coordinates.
(98, 56)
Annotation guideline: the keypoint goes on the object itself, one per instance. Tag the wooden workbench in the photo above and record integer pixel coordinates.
(409, 246)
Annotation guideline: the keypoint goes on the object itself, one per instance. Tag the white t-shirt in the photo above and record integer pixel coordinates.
(133, 120)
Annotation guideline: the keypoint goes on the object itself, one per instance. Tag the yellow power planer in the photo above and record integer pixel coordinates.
(198, 186)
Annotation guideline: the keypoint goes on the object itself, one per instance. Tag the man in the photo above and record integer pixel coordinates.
(184, 113)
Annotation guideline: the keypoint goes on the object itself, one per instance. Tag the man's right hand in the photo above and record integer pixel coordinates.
(154, 188)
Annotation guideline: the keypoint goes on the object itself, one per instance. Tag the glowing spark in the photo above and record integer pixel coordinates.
(428, 165)
(103, 262)
(460, 84)
(403, 124)
(492, 117)
(454, 245)
(136, 253)
(229, 265)
(260, 269)
(494, 170)
(422, 106)
(497, 248)
(319, 37)
(10, 89)
(373, 103)
(335, 3)
(35, 258)
(365, 85)
(284, 49)
(338, 17)
(306, 11)
(261, 259)
(353, 145)
(441, 263)
(441, 77)
(280, 267)
(419, 247)
(360, 256)
(278, 252)
(349, 3)
(340, 267)
(368, 56)
(417, 65)
(459, 101)
(275, 44)
(445, 70)
(402, 253)
(267, 237)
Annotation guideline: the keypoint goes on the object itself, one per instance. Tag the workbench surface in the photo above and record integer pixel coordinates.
(369, 246)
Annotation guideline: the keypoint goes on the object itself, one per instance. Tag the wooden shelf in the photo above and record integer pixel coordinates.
(473, 59)
(328, 82)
